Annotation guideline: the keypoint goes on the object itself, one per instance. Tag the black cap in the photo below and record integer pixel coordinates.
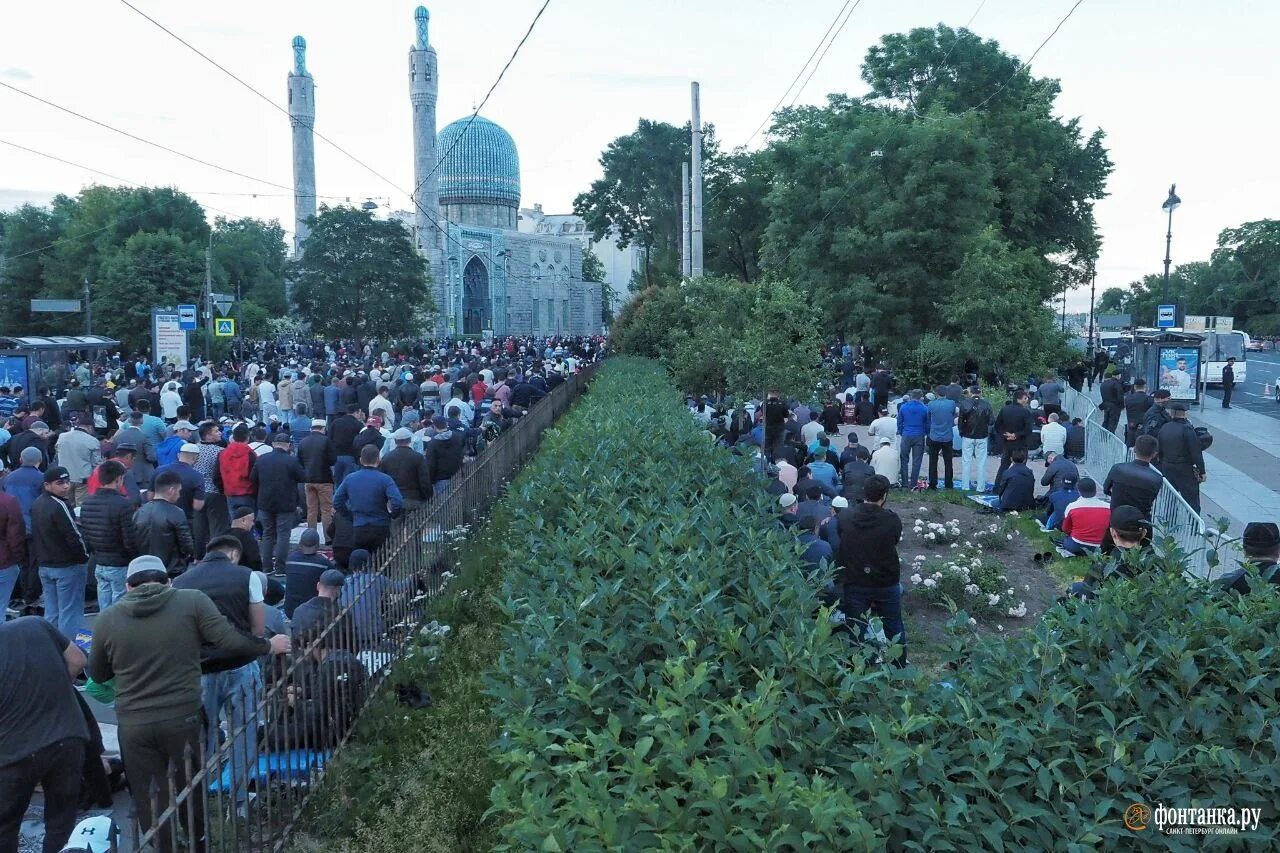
(309, 539)
(1129, 519)
(332, 577)
(53, 475)
(358, 559)
(1261, 535)
(1178, 406)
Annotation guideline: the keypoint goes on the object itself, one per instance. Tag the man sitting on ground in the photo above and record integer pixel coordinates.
(1085, 521)
(1017, 486)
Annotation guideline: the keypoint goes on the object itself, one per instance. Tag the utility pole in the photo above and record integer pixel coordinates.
(1093, 285)
(88, 310)
(695, 227)
(239, 324)
(684, 220)
(208, 298)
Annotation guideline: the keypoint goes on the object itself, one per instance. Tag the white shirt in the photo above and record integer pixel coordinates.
(886, 463)
(1053, 437)
(810, 432)
(885, 427)
(862, 382)
(266, 392)
(381, 407)
(169, 403)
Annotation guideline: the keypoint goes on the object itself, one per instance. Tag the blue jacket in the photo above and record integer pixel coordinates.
(332, 400)
(167, 450)
(942, 417)
(1058, 503)
(815, 551)
(824, 472)
(25, 483)
(364, 497)
(913, 419)
(1017, 488)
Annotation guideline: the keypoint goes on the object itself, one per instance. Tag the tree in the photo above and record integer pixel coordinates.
(361, 278)
(152, 269)
(252, 254)
(638, 198)
(24, 233)
(1112, 301)
(737, 185)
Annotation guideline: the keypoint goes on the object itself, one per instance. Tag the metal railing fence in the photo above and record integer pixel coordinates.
(241, 785)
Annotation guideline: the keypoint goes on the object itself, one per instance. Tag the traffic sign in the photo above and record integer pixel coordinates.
(223, 303)
(187, 318)
(224, 327)
(60, 306)
(1166, 316)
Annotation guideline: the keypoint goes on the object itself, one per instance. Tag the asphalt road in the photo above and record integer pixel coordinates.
(1263, 369)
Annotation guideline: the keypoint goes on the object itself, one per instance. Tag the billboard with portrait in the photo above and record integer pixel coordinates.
(13, 371)
(1179, 371)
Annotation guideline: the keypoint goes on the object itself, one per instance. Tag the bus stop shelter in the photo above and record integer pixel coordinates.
(31, 361)
(1169, 360)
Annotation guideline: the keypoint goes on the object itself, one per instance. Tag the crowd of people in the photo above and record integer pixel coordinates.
(216, 518)
(837, 503)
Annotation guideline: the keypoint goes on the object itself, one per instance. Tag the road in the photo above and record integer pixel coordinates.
(1263, 369)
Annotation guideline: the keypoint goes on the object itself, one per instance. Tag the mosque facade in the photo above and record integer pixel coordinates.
(488, 276)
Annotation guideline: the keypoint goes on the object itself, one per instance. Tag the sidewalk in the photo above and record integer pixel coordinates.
(1243, 464)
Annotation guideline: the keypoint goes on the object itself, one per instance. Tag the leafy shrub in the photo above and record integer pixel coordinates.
(995, 535)
(669, 682)
(969, 583)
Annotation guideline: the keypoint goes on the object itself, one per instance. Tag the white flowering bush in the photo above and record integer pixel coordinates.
(996, 536)
(938, 534)
(963, 582)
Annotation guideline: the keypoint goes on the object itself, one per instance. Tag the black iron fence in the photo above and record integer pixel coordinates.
(244, 780)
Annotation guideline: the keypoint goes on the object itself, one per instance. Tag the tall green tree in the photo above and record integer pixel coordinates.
(361, 278)
(252, 254)
(151, 269)
(736, 187)
(24, 234)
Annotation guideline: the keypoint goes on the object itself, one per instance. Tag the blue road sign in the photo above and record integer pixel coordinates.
(1166, 316)
(187, 318)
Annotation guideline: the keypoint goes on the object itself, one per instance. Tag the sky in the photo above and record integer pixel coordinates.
(1182, 88)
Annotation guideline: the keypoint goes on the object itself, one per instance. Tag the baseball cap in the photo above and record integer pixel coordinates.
(840, 502)
(317, 422)
(1129, 519)
(188, 425)
(53, 475)
(145, 563)
(188, 447)
(1261, 534)
(1178, 406)
(886, 440)
(787, 500)
(401, 434)
(126, 447)
(332, 577)
(309, 539)
(282, 437)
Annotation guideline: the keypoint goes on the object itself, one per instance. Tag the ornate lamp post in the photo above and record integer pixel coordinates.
(1170, 204)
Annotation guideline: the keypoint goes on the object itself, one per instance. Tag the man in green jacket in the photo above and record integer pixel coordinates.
(150, 643)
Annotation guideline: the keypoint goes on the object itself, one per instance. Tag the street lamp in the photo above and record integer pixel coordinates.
(1170, 204)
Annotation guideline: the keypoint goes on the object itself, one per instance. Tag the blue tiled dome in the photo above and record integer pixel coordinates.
(483, 168)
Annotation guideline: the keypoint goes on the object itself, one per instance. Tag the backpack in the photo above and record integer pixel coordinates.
(976, 419)
(1206, 437)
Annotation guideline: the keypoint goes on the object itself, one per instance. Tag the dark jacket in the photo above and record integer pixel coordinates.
(13, 534)
(227, 584)
(163, 532)
(1136, 405)
(1061, 470)
(106, 522)
(318, 456)
(975, 418)
(444, 454)
(1075, 445)
(277, 477)
(1180, 445)
(55, 538)
(1112, 393)
(343, 431)
(1017, 419)
(853, 478)
(410, 471)
(151, 641)
(1134, 484)
(20, 442)
(367, 436)
(869, 537)
(1017, 488)
(1155, 418)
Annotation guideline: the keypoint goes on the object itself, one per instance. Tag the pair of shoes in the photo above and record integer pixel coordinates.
(1042, 557)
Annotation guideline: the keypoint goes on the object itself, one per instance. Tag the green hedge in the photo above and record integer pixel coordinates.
(666, 681)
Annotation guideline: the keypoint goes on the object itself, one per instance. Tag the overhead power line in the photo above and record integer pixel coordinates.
(141, 139)
(823, 56)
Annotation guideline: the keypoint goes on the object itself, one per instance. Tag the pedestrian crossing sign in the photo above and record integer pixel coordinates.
(224, 327)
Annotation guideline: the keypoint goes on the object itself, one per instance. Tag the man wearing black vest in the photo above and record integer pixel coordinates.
(1136, 404)
(230, 684)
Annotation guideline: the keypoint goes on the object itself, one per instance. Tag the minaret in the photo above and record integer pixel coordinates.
(302, 117)
(423, 88)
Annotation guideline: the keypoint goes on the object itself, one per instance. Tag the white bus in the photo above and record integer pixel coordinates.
(1217, 348)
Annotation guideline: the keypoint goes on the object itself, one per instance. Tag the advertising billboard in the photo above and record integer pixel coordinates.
(1179, 368)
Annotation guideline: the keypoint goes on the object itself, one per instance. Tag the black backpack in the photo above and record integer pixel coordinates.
(976, 419)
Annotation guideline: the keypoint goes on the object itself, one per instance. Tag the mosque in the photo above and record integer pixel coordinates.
(488, 276)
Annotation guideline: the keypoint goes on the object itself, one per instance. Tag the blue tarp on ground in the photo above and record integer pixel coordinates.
(288, 766)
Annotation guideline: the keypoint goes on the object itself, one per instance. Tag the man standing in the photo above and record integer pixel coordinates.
(1136, 483)
(60, 553)
(1014, 422)
(1112, 405)
(1228, 381)
(370, 499)
(974, 420)
(869, 537)
(230, 682)
(444, 455)
(276, 478)
(913, 424)
(942, 421)
(106, 520)
(775, 415)
(1136, 403)
(79, 451)
(1050, 393)
(13, 547)
(235, 467)
(1181, 459)
(409, 469)
(318, 456)
(1158, 415)
(43, 735)
(162, 525)
(150, 642)
(213, 518)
